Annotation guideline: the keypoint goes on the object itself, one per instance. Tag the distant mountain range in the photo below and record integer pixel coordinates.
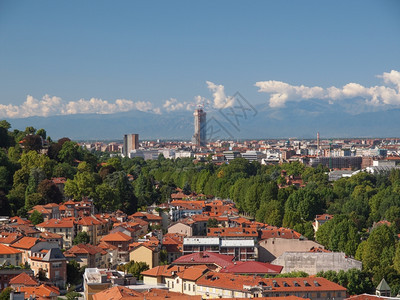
(298, 119)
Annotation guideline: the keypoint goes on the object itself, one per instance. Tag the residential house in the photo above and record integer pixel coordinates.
(121, 241)
(87, 255)
(173, 244)
(64, 227)
(41, 292)
(93, 227)
(53, 263)
(23, 279)
(10, 256)
(48, 211)
(145, 252)
(27, 245)
(320, 220)
(223, 285)
(7, 274)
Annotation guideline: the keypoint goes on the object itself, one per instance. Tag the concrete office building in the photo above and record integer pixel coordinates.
(199, 137)
(131, 142)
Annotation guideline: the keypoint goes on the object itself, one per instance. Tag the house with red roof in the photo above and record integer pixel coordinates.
(64, 227)
(27, 245)
(87, 255)
(23, 279)
(320, 220)
(53, 263)
(48, 211)
(7, 238)
(41, 292)
(252, 268)
(213, 261)
(94, 227)
(10, 256)
(121, 241)
(224, 285)
(173, 244)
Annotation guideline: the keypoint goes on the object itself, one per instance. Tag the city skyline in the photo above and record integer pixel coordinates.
(106, 58)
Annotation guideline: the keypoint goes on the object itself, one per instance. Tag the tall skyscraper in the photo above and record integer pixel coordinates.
(131, 142)
(199, 137)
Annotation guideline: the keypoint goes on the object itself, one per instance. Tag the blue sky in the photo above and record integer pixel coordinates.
(163, 55)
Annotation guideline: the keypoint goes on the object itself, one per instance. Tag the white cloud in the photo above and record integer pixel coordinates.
(220, 99)
(281, 92)
(48, 106)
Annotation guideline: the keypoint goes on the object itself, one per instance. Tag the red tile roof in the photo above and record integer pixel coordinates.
(205, 258)
(40, 291)
(279, 232)
(116, 237)
(56, 223)
(23, 279)
(117, 293)
(8, 250)
(25, 243)
(252, 267)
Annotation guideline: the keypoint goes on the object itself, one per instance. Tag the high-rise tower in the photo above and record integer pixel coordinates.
(199, 137)
(131, 142)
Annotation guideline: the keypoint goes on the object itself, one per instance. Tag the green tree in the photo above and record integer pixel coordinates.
(5, 294)
(74, 272)
(83, 184)
(32, 200)
(81, 238)
(212, 223)
(32, 142)
(106, 199)
(134, 268)
(379, 249)
(69, 152)
(73, 295)
(36, 217)
(49, 191)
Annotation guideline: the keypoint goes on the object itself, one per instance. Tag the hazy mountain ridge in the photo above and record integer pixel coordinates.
(298, 119)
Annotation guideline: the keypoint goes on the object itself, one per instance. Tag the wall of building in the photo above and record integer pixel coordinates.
(314, 262)
(181, 228)
(270, 249)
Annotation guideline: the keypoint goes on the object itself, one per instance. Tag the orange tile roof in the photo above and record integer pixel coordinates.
(41, 291)
(18, 220)
(252, 267)
(56, 223)
(232, 232)
(117, 293)
(116, 237)
(237, 283)
(88, 221)
(25, 243)
(8, 250)
(279, 232)
(50, 235)
(193, 273)
(205, 258)
(23, 279)
(84, 249)
(9, 237)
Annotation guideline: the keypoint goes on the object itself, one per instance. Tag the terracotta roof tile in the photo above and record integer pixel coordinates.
(8, 250)
(23, 279)
(116, 237)
(25, 243)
